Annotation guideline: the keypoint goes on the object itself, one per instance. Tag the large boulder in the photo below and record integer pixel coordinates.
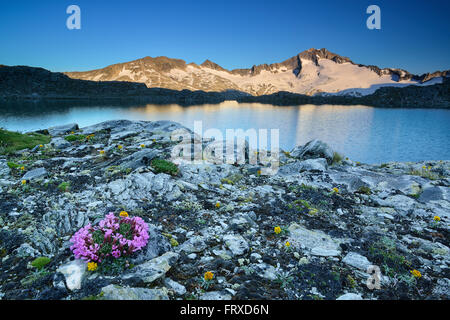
(312, 150)
(35, 174)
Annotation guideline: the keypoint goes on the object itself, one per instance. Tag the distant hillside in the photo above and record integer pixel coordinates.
(433, 96)
(21, 82)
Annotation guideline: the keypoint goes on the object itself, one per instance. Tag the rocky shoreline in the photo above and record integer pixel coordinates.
(336, 218)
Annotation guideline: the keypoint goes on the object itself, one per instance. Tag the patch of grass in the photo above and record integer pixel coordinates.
(75, 137)
(384, 253)
(13, 165)
(365, 190)
(34, 276)
(232, 179)
(40, 263)
(94, 297)
(11, 142)
(64, 186)
(337, 158)
(304, 206)
(425, 173)
(164, 166)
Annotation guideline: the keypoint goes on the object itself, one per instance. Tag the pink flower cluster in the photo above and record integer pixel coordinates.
(113, 236)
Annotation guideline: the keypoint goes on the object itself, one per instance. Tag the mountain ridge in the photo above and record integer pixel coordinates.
(313, 71)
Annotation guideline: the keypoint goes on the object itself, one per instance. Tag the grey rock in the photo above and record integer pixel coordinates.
(313, 149)
(266, 271)
(4, 169)
(115, 292)
(136, 187)
(35, 174)
(313, 240)
(350, 296)
(357, 261)
(193, 245)
(324, 252)
(154, 269)
(319, 164)
(216, 295)
(60, 130)
(60, 143)
(236, 243)
(156, 246)
(140, 159)
(431, 194)
(442, 288)
(179, 289)
(74, 273)
(25, 250)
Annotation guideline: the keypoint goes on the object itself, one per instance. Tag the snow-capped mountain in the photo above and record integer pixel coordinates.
(310, 72)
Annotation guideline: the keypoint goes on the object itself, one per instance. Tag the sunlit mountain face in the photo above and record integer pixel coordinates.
(310, 72)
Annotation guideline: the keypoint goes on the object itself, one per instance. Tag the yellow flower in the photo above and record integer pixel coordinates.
(102, 152)
(277, 230)
(259, 172)
(437, 218)
(123, 214)
(24, 182)
(429, 168)
(424, 167)
(208, 276)
(22, 168)
(72, 132)
(119, 146)
(142, 145)
(92, 266)
(288, 244)
(416, 273)
(335, 189)
(217, 204)
(41, 146)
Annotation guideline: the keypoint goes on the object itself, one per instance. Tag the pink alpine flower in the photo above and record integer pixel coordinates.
(112, 237)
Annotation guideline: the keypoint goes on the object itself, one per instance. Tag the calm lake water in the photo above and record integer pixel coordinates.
(365, 134)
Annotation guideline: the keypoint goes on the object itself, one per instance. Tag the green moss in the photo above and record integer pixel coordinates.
(351, 282)
(425, 173)
(164, 166)
(232, 179)
(75, 137)
(94, 297)
(384, 253)
(365, 190)
(13, 165)
(11, 142)
(337, 158)
(173, 242)
(40, 262)
(64, 186)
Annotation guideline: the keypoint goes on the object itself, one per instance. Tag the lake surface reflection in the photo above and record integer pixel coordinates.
(365, 134)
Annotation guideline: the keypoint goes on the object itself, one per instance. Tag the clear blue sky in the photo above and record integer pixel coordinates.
(235, 34)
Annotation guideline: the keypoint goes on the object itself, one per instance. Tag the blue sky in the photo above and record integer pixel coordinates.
(414, 35)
